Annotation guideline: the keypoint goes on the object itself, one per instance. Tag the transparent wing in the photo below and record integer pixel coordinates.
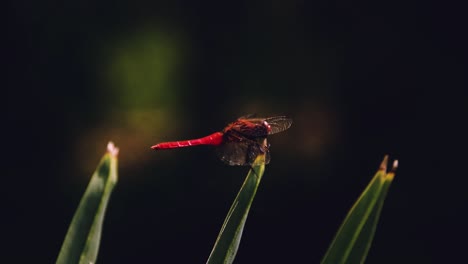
(242, 153)
(248, 116)
(278, 123)
(233, 153)
(260, 147)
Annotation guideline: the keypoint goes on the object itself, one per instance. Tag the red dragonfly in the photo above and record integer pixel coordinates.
(241, 141)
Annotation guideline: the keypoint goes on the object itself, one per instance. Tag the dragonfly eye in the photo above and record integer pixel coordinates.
(268, 127)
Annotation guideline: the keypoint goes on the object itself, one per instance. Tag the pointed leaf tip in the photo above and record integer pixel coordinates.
(112, 149)
(354, 238)
(83, 238)
(383, 165)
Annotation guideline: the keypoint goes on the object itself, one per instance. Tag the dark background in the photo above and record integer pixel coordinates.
(360, 80)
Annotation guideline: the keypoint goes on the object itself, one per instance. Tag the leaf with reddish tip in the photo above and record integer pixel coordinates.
(354, 238)
(82, 241)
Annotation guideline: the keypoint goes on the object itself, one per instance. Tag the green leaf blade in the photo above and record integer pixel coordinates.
(227, 243)
(83, 237)
(352, 241)
(364, 241)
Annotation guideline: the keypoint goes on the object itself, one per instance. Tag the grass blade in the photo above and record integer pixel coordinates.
(81, 243)
(364, 241)
(354, 238)
(227, 243)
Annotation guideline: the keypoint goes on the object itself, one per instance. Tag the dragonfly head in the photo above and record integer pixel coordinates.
(267, 126)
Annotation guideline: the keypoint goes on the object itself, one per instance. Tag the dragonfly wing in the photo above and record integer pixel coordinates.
(278, 123)
(247, 116)
(258, 148)
(242, 153)
(233, 153)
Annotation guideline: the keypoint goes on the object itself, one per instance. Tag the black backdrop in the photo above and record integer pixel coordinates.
(359, 79)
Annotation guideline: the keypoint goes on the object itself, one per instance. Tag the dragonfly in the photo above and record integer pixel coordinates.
(241, 141)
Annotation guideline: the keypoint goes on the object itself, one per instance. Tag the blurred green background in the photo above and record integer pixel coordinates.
(359, 79)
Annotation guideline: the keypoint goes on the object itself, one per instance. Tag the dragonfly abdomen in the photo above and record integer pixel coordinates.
(213, 139)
